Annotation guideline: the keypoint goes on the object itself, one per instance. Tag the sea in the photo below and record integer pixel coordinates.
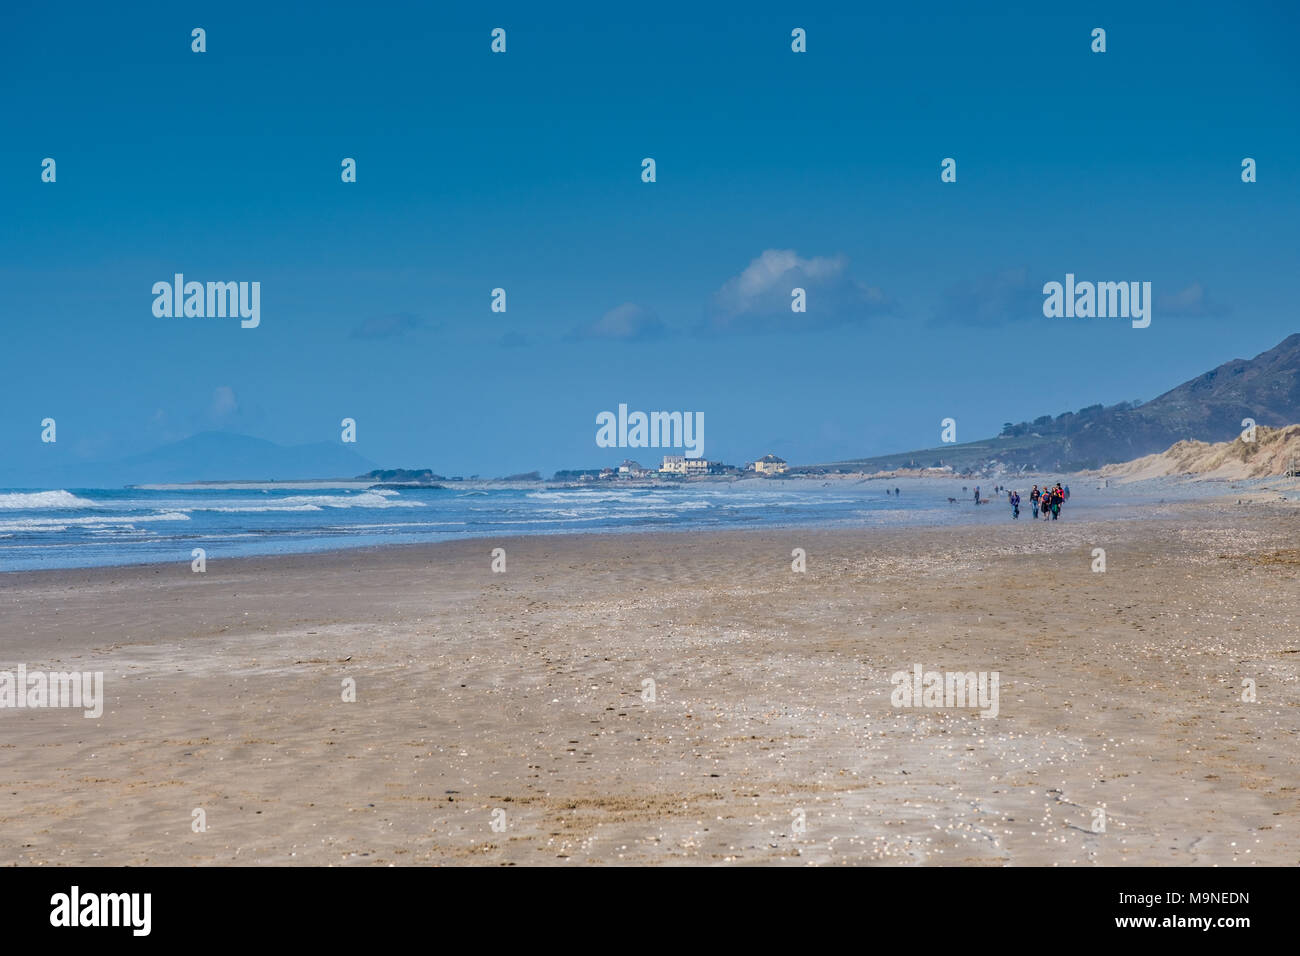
(89, 527)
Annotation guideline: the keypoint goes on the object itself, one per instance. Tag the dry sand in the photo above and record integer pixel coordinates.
(522, 692)
(1272, 453)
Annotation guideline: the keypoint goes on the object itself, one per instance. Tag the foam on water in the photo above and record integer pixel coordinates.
(57, 528)
(40, 500)
(368, 499)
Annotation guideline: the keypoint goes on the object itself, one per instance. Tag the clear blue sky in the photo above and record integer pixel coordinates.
(522, 171)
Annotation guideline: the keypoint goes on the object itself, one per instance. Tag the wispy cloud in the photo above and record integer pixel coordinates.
(1190, 302)
(515, 340)
(990, 300)
(220, 409)
(628, 322)
(388, 326)
(225, 405)
(759, 298)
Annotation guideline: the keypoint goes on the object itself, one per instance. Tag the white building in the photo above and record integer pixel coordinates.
(770, 465)
(681, 465)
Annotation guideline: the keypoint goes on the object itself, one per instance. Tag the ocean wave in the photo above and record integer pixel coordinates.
(367, 499)
(352, 528)
(256, 509)
(507, 523)
(89, 523)
(38, 500)
(594, 495)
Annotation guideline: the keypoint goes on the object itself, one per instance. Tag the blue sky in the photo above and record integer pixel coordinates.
(522, 171)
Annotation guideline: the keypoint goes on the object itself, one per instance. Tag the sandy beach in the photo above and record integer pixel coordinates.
(501, 718)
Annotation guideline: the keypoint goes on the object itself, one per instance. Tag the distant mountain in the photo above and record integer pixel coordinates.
(209, 456)
(1208, 408)
(1265, 388)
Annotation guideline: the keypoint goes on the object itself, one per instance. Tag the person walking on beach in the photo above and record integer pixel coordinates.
(1034, 495)
(1067, 492)
(897, 492)
(977, 494)
(1015, 505)
(1057, 497)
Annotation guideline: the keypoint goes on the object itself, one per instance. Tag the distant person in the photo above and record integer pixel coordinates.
(1058, 496)
(977, 494)
(1034, 495)
(1015, 505)
(1067, 492)
(897, 492)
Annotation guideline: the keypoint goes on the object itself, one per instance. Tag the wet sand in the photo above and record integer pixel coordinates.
(771, 737)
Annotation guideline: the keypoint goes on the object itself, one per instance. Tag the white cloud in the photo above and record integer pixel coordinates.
(224, 403)
(627, 321)
(760, 295)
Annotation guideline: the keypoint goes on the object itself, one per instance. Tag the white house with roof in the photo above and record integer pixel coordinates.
(770, 465)
(681, 465)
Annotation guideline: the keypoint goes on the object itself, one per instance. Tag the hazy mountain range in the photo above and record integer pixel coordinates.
(208, 456)
(1210, 407)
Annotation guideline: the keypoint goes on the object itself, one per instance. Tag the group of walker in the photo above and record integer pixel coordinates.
(1047, 501)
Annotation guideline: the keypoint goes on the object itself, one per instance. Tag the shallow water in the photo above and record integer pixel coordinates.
(68, 528)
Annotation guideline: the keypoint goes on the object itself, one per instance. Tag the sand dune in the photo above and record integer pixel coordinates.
(1272, 453)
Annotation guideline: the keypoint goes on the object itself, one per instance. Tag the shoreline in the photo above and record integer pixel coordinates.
(924, 503)
(1093, 516)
